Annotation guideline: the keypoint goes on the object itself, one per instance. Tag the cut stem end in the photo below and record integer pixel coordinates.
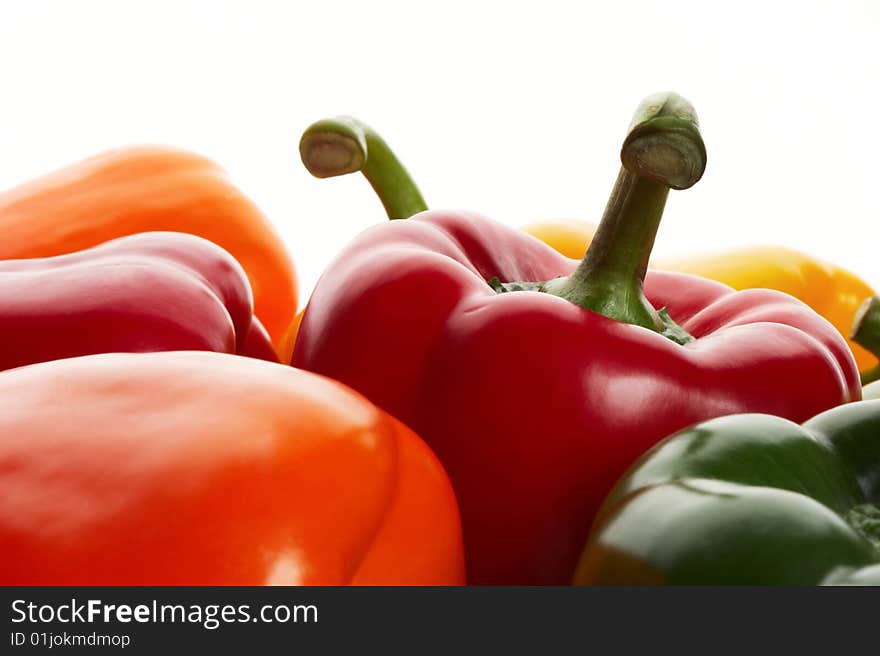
(329, 154)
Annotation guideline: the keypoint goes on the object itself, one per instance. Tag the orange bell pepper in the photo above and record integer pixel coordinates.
(831, 291)
(201, 468)
(149, 188)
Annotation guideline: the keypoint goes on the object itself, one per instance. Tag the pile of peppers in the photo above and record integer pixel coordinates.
(457, 402)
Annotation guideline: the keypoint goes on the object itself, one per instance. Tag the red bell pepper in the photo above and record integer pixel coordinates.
(536, 379)
(157, 291)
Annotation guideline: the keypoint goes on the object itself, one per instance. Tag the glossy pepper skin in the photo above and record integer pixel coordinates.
(534, 403)
(150, 188)
(747, 499)
(194, 468)
(158, 291)
(830, 290)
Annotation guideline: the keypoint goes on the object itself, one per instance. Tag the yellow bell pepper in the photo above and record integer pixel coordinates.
(833, 292)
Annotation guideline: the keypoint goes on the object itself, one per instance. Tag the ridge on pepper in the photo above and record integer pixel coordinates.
(538, 380)
(829, 289)
(156, 291)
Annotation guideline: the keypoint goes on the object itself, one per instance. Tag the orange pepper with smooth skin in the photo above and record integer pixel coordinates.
(152, 188)
(197, 468)
(831, 291)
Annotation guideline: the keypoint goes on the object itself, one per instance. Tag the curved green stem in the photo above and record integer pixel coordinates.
(866, 333)
(341, 145)
(662, 150)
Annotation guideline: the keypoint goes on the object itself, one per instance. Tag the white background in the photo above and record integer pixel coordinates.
(513, 109)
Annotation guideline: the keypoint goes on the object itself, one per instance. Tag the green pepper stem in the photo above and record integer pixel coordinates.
(866, 333)
(662, 150)
(341, 145)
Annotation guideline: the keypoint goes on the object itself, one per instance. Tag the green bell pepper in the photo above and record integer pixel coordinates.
(747, 499)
